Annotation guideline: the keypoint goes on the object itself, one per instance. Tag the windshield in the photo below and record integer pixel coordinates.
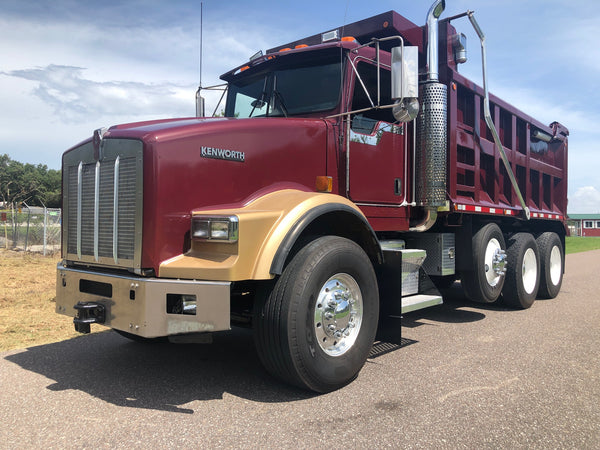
(278, 89)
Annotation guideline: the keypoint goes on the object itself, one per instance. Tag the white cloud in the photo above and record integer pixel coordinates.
(74, 98)
(586, 200)
(108, 53)
(63, 78)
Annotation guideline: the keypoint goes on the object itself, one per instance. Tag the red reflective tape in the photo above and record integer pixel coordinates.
(505, 212)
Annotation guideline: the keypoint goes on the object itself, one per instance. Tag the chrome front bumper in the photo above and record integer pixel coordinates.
(143, 306)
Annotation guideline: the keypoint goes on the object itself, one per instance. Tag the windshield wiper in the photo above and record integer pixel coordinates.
(260, 102)
(279, 97)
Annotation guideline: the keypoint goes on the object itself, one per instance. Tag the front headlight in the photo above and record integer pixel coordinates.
(215, 228)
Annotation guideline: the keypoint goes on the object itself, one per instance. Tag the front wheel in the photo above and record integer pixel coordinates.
(317, 325)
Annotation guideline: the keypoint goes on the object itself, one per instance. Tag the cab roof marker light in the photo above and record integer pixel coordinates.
(349, 39)
(257, 55)
(287, 49)
(330, 36)
(301, 46)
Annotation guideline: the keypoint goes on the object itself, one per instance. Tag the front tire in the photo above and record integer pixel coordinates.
(523, 273)
(316, 327)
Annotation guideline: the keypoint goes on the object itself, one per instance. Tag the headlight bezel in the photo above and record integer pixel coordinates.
(215, 228)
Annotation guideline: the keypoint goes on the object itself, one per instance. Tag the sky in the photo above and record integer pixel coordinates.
(68, 67)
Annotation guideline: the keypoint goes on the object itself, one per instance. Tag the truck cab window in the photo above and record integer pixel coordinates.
(360, 100)
(363, 125)
(286, 88)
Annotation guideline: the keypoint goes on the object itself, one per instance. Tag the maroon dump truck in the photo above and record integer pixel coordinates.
(354, 176)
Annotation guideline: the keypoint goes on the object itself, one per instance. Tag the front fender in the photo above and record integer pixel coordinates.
(268, 228)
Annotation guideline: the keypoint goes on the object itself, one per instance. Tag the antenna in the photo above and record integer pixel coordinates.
(201, 25)
(199, 98)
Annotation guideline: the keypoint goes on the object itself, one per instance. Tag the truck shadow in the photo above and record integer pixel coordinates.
(455, 309)
(168, 377)
(157, 376)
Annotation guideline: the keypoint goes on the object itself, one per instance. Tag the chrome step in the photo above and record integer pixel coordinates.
(419, 301)
(392, 245)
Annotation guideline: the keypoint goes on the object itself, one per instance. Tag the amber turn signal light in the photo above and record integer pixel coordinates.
(324, 184)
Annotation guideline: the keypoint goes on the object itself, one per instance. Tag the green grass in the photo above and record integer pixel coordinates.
(581, 244)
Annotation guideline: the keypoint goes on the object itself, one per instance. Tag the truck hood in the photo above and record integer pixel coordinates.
(195, 164)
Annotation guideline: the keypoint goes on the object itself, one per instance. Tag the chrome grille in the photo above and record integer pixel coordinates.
(103, 202)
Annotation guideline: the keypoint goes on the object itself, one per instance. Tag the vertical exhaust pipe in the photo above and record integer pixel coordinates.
(432, 124)
(433, 15)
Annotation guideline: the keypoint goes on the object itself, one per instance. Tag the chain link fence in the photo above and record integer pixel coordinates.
(32, 229)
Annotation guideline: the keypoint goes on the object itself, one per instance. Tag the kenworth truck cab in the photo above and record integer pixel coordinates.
(353, 176)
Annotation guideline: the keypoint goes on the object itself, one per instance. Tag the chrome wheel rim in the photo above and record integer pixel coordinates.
(495, 262)
(338, 314)
(555, 265)
(529, 270)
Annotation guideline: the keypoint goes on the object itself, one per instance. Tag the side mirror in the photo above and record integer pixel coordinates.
(459, 45)
(405, 72)
(405, 82)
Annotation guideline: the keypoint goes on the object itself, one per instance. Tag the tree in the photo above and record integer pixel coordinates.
(36, 185)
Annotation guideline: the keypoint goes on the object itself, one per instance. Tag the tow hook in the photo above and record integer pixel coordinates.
(88, 313)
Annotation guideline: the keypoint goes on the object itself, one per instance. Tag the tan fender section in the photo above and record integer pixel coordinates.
(266, 230)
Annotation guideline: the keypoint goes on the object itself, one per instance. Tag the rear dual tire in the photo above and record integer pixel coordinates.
(552, 262)
(523, 271)
(519, 270)
(484, 280)
(535, 269)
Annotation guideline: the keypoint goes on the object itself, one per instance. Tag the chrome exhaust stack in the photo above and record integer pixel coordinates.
(432, 124)
(433, 15)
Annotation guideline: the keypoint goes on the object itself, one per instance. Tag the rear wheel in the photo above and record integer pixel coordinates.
(551, 257)
(483, 282)
(523, 273)
(316, 327)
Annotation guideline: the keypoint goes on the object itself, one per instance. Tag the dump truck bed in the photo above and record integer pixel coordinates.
(537, 154)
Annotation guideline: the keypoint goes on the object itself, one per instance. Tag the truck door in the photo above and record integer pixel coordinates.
(376, 166)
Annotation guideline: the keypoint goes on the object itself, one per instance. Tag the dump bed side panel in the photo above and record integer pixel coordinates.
(477, 175)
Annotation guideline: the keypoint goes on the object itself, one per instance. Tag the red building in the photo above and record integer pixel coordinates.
(585, 224)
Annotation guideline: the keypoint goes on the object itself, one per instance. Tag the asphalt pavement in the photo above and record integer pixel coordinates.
(466, 376)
